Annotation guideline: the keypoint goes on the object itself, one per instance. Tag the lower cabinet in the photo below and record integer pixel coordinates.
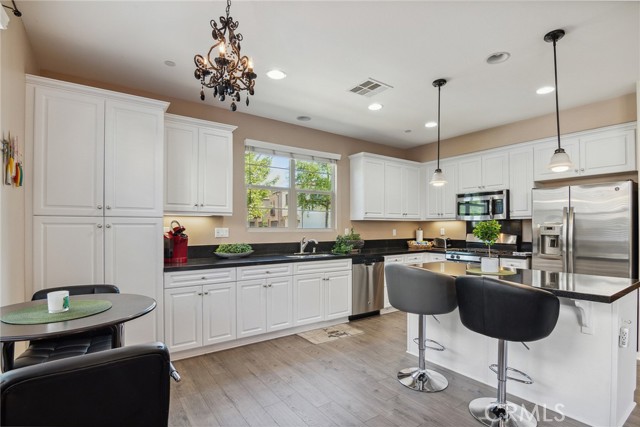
(199, 308)
(206, 307)
(264, 305)
(321, 296)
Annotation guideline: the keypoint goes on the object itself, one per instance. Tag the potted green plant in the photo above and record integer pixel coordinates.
(354, 239)
(488, 232)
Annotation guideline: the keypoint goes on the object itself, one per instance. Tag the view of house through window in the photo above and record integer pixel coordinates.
(286, 192)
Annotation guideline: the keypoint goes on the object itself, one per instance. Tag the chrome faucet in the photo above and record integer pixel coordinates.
(303, 244)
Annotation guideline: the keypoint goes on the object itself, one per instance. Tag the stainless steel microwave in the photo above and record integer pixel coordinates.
(483, 206)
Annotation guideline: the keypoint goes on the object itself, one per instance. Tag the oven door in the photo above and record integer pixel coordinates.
(483, 206)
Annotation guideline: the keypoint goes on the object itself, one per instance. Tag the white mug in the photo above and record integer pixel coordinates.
(58, 301)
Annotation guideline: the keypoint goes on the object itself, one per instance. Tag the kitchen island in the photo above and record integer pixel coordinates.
(583, 370)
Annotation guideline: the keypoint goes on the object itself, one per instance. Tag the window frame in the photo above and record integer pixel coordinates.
(294, 155)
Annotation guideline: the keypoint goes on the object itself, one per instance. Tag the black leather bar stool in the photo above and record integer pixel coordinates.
(508, 312)
(421, 292)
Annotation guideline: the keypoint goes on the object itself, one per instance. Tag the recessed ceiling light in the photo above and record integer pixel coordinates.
(544, 90)
(303, 118)
(276, 74)
(430, 124)
(169, 63)
(498, 57)
(375, 106)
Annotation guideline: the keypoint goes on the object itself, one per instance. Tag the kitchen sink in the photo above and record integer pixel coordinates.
(306, 256)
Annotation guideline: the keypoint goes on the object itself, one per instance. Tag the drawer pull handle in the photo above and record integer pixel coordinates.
(204, 277)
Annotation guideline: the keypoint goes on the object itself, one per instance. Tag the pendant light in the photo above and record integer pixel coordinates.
(438, 179)
(560, 161)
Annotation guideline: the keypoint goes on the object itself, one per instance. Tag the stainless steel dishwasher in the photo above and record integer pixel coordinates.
(368, 286)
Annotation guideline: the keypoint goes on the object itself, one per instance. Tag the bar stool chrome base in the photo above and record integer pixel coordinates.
(487, 411)
(424, 380)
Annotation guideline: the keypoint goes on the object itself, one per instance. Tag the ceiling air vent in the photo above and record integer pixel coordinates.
(369, 88)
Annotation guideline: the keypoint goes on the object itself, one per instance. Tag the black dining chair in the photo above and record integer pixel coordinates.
(127, 386)
(46, 350)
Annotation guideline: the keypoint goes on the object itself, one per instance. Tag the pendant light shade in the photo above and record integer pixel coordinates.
(560, 161)
(438, 179)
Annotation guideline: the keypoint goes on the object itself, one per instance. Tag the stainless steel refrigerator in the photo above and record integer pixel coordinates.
(589, 229)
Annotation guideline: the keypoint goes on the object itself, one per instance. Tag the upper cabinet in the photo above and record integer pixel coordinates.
(384, 188)
(520, 181)
(486, 172)
(96, 153)
(401, 191)
(441, 201)
(605, 151)
(198, 167)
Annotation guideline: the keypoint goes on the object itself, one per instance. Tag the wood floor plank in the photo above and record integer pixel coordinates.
(350, 381)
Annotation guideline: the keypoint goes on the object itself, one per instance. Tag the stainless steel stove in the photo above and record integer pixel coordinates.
(475, 250)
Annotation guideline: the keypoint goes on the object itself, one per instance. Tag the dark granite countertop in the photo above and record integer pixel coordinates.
(215, 262)
(586, 287)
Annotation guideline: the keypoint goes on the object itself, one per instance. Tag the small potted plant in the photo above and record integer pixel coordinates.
(354, 239)
(488, 232)
(347, 243)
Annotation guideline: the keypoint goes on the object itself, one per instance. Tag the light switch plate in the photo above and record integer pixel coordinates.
(221, 232)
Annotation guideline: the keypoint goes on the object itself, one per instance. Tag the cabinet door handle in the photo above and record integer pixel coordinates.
(99, 225)
(264, 286)
(199, 293)
(196, 205)
(99, 206)
(269, 285)
(576, 170)
(201, 204)
(108, 207)
(204, 277)
(206, 293)
(108, 226)
(582, 170)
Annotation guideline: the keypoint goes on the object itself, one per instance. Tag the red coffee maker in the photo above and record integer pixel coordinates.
(175, 244)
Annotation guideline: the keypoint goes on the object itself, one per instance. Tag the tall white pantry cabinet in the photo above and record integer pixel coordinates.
(97, 200)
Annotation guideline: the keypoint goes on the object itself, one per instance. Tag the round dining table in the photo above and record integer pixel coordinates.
(124, 307)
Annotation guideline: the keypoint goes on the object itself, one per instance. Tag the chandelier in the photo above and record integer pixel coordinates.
(224, 69)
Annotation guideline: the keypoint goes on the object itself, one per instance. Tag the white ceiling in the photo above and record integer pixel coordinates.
(327, 47)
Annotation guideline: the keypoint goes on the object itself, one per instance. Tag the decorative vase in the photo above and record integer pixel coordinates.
(489, 265)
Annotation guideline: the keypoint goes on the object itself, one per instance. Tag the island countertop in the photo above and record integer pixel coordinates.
(602, 289)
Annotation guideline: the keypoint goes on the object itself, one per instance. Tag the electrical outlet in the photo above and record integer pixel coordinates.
(624, 337)
(221, 232)
(393, 232)
(442, 232)
(346, 231)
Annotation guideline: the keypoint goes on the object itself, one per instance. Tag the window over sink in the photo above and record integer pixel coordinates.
(289, 188)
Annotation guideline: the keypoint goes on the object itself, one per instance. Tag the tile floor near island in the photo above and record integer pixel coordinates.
(344, 382)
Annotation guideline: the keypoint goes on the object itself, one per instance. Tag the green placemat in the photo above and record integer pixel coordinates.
(499, 273)
(40, 313)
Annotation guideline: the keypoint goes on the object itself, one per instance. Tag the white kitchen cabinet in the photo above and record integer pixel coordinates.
(384, 188)
(367, 187)
(200, 315)
(603, 151)
(203, 313)
(441, 201)
(433, 257)
(264, 305)
(488, 172)
(515, 262)
(126, 252)
(401, 191)
(322, 290)
(96, 153)
(198, 166)
(520, 182)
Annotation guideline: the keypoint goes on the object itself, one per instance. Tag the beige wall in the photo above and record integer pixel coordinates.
(17, 59)
(599, 114)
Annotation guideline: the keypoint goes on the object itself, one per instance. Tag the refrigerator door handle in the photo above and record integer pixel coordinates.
(563, 239)
(570, 256)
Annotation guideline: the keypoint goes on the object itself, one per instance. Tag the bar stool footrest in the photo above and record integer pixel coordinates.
(439, 347)
(526, 379)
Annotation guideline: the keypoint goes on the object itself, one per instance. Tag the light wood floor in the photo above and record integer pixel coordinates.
(348, 382)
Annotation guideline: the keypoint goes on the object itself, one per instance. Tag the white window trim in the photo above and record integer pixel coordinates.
(298, 154)
(287, 150)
